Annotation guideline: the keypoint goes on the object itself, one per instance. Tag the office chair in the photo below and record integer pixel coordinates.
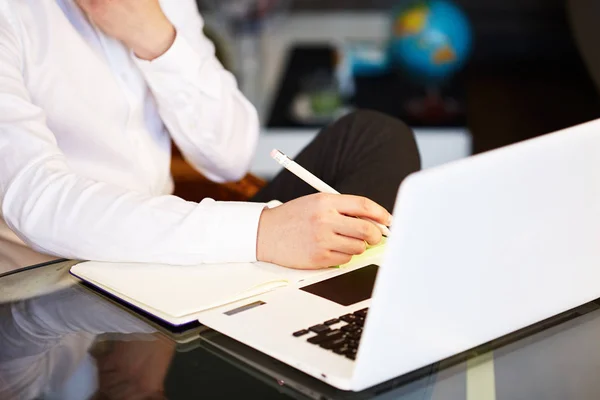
(193, 186)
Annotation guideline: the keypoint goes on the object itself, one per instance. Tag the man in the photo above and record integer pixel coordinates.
(91, 91)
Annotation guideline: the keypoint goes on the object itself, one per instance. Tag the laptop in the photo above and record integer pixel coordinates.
(479, 248)
(296, 384)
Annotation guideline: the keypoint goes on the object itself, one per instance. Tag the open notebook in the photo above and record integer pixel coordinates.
(177, 294)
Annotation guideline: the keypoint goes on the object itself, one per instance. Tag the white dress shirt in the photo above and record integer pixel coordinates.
(85, 132)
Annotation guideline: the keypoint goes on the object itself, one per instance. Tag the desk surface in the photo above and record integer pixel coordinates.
(60, 340)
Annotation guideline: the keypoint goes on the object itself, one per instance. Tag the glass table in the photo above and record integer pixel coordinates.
(61, 340)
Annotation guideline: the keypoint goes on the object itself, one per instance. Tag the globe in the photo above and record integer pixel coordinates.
(431, 40)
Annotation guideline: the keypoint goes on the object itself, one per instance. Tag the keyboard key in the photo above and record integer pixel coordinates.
(331, 321)
(349, 328)
(300, 333)
(361, 313)
(324, 337)
(317, 339)
(354, 335)
(348, 318)
(341, 350)
(333, 344)
(319, 328)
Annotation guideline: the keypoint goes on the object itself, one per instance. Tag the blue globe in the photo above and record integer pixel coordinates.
(431, 40)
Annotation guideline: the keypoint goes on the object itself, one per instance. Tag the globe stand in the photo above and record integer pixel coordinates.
(433, 108)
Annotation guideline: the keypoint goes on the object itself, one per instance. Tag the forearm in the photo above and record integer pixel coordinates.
(207, 116)
(60, 213)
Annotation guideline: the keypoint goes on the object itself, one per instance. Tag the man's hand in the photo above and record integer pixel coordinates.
(318, 231)
(140, 24)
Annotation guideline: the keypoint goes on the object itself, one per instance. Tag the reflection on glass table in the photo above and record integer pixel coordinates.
(60, 340)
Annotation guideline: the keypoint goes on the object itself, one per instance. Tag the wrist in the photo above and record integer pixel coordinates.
(262, 236)
(155, 42)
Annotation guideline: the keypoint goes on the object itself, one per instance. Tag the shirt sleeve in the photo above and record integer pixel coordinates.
(210, 120)
(56, 211)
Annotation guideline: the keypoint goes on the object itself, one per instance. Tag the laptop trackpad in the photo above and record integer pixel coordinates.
(346, 289)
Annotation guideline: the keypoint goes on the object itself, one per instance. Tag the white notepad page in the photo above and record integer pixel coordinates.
(178, 291)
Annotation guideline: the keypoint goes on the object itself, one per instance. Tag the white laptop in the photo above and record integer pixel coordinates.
(479, 248)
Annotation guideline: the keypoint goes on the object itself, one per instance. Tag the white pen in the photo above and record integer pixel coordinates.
(315, 182)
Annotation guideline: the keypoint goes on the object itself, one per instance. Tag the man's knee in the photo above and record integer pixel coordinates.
(381, 127)
(375, 123)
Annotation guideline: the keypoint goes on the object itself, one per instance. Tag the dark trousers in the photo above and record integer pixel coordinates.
(365, 153)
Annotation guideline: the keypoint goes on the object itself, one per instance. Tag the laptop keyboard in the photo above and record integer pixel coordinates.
(340, 335)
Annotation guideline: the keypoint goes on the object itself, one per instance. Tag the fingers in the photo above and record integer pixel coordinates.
(357, 206)
(348, 245)
(330, 258)
(355, 228)
(336, 258)
(323, 259)
(337, 250)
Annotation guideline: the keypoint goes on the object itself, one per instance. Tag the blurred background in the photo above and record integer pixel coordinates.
(467, 75)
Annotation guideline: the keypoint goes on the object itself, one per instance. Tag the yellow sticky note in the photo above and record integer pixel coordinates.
(370, 252)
